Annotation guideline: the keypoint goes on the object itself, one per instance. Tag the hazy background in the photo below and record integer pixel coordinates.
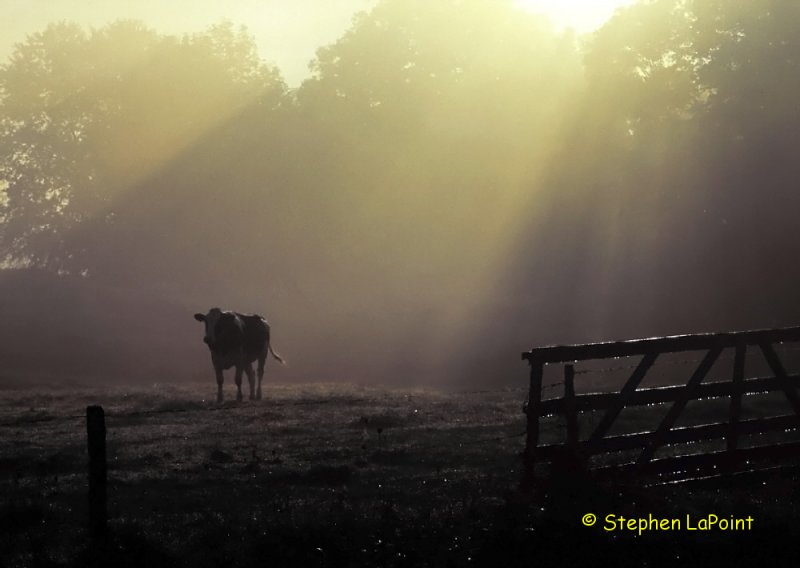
(447, 184)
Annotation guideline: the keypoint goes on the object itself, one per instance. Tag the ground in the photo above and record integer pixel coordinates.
(337, 475)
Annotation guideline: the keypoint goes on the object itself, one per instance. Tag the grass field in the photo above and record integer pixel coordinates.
(336, 475)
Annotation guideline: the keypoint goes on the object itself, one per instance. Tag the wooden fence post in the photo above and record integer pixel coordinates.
(96, 430)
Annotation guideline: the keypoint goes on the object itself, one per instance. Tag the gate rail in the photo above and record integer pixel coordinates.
(612, 403)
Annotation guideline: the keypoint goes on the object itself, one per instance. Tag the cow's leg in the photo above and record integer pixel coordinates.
(261, 360)
(220, 378)
(251, 379)
(238, 379)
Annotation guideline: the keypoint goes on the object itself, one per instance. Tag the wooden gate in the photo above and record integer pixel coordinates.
(645, 444)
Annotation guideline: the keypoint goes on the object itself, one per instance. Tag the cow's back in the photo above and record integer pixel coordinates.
(256, 335)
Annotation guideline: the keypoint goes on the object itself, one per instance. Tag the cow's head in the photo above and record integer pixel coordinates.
(212, 320)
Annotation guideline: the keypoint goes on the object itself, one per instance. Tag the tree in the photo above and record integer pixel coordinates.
(45, 123)
(685, 185)
(438, 108)
(87, 117)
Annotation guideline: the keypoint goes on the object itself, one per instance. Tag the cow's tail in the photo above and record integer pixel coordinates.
(278, 357)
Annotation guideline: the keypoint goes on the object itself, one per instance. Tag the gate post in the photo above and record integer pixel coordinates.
(532, 411)
(570, 410)
(736, 397)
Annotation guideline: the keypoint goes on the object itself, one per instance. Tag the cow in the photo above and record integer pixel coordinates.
(237, 340)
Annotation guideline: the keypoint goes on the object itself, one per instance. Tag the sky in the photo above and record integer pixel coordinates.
(581, 15)
(288, 32)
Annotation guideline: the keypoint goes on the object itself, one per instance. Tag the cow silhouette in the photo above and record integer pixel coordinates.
(237, 340)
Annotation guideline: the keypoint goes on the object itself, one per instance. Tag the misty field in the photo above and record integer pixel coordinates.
(325, 475)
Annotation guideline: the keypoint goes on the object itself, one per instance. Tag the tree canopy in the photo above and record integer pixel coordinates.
(87, 115)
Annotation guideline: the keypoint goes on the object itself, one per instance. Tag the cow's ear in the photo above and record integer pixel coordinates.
(199, 317)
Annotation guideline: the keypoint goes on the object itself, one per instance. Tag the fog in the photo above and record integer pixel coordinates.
(454, 183)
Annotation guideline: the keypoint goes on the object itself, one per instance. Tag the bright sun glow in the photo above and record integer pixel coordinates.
(582, 15)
